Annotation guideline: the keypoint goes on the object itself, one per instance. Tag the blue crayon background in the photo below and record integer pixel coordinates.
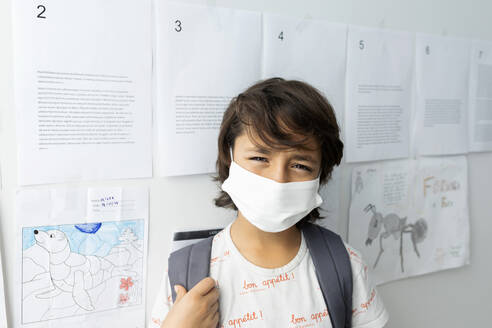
(99, 243)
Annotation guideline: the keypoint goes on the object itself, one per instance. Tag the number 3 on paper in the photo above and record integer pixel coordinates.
(178, 27)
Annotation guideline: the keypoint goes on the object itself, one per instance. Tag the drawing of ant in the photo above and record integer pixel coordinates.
(396, 226)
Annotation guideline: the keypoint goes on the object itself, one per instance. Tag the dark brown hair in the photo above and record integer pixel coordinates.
(275, 110)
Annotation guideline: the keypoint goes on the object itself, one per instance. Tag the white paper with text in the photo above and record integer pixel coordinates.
(378, 94)
(442, 74)
(205, 56)
(310, 50)
(480, 98)
(83, 90)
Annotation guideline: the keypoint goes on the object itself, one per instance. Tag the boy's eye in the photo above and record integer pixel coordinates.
(303, 167)
(258, 158)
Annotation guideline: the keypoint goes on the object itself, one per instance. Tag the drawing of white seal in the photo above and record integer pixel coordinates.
(71, 272)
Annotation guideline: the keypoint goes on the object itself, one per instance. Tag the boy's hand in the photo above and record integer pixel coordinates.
(197, 308)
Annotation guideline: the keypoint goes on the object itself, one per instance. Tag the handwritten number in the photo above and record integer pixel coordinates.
(43, 9)
(281, 36)
(178, 27)
(361, 44)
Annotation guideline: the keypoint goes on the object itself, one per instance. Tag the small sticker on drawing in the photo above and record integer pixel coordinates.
(79, 269)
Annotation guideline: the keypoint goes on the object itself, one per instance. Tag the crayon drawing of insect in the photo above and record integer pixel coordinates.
(396, 227)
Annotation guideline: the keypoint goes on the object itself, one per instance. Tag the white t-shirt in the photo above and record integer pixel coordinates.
(289, 297)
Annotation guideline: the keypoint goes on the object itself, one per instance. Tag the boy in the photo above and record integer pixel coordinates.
(279, 140)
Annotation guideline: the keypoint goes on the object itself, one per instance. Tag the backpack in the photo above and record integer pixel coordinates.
(189, 265)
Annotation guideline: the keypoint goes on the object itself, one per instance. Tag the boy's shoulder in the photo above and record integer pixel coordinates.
(356, 259)
(219, 236)
(352, 251)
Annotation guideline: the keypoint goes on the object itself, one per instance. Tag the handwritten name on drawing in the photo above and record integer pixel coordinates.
(250, 316)
(432, 185)
(108, 201)
(437, 186)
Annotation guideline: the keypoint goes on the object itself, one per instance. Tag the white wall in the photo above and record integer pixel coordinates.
(452, 298)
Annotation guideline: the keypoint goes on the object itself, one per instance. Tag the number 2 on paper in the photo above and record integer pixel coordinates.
(42, 9)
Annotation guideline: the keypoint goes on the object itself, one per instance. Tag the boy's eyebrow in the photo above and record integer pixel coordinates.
(304, 157)
(297, 157)
(260, 150)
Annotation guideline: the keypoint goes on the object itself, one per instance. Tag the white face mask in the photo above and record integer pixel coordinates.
(269, 205)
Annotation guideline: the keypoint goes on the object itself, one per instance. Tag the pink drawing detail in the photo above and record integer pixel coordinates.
(126, 283)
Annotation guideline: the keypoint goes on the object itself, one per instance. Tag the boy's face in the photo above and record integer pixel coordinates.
(285, 165)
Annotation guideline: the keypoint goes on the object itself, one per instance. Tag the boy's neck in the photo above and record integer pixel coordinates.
(262, 248)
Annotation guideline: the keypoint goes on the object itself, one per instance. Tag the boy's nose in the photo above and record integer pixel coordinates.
(279, 174)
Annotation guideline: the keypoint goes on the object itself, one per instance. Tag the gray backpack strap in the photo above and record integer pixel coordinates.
(334, 272)
(189, 265)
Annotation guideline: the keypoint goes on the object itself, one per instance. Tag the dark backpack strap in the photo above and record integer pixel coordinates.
(189, 265)
(334, 272)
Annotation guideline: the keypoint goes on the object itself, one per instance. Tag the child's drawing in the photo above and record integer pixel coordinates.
(359, 184)
(79, 269)
(395, 226)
